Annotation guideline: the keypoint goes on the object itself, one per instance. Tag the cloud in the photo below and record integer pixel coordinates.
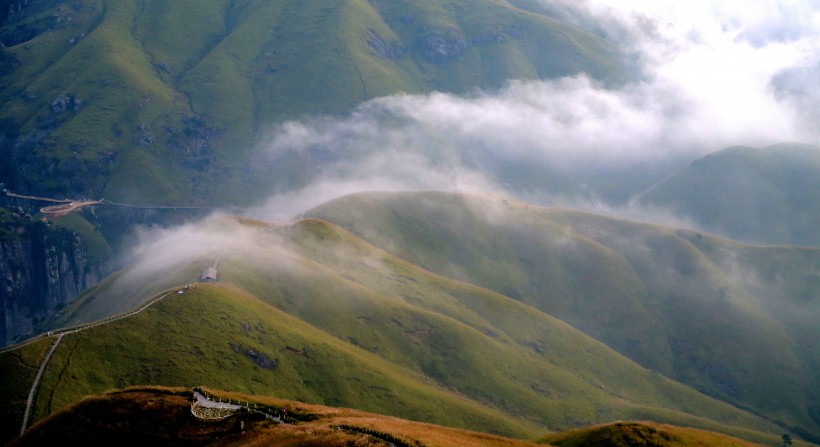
(386, 170)
(698, 22)
(715, 75)
(725, 56)
(159, 250)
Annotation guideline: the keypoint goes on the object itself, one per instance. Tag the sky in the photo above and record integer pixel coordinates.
(727, 58)
(714, 75)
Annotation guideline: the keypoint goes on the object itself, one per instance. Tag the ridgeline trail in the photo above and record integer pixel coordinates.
(43, 199)
(69, 205)
(36, 383)
(90, 325)
(59, 335)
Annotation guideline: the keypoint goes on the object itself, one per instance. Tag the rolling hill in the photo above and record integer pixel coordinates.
(760, 195)
(166, 103)
(148, 415)
(158, 102)
(628, 434)
(738, 322)
(310, 312)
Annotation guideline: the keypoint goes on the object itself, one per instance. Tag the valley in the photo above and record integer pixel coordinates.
(409, 223)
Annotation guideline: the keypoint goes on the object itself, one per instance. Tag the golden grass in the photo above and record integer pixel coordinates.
(328, 418)
(156, 413)
(643, 433)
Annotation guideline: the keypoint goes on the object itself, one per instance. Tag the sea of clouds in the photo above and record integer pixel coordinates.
(713, 75)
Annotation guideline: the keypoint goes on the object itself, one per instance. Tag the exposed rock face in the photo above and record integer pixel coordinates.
(41, 270)
(442, 49)
(60, 104)
(259, 358)
(388, 50)
(17, 11)
(80, 175)
(63, 103)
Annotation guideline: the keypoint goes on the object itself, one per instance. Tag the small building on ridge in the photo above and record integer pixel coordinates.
(209, 275)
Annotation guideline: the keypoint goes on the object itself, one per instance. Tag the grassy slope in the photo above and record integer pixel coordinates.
(158, 414)
(550, 49)
(378, 334)
(18, 370)
(174, 95)
(676, 302)
(766, 195)
(197, 334)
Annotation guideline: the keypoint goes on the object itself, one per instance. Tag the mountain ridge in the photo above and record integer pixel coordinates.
(164, 416)
(335, 300)
(759, 195)
(673, 300)
(171, 116)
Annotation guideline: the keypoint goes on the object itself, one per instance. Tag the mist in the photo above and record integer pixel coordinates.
(713, 76)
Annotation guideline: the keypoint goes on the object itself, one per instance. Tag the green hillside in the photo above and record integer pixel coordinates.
(163, 102)
(768, 195)
(738, 322)
(310, 312)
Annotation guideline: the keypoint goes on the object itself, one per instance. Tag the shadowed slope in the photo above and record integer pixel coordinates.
(768, 195)
(698, 309)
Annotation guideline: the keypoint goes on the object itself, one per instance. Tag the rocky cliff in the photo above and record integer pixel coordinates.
(42, 268)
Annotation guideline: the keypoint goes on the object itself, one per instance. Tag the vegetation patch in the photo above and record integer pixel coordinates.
(641, 434)
(387, 437)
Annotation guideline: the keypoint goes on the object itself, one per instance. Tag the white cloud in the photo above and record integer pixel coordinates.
(716, 74)
(387, 170)
(159, 250)
(709, 71)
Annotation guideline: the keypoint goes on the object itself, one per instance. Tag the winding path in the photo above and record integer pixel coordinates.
(66, 208)
(30, 400)
(222, 410)
(69, 205)
(44, 199)
(60, 335)
(208, 403)
(88, 325)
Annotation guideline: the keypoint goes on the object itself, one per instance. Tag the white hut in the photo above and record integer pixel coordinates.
(209, 275)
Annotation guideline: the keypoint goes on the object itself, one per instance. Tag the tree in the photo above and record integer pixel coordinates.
(787, 439)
